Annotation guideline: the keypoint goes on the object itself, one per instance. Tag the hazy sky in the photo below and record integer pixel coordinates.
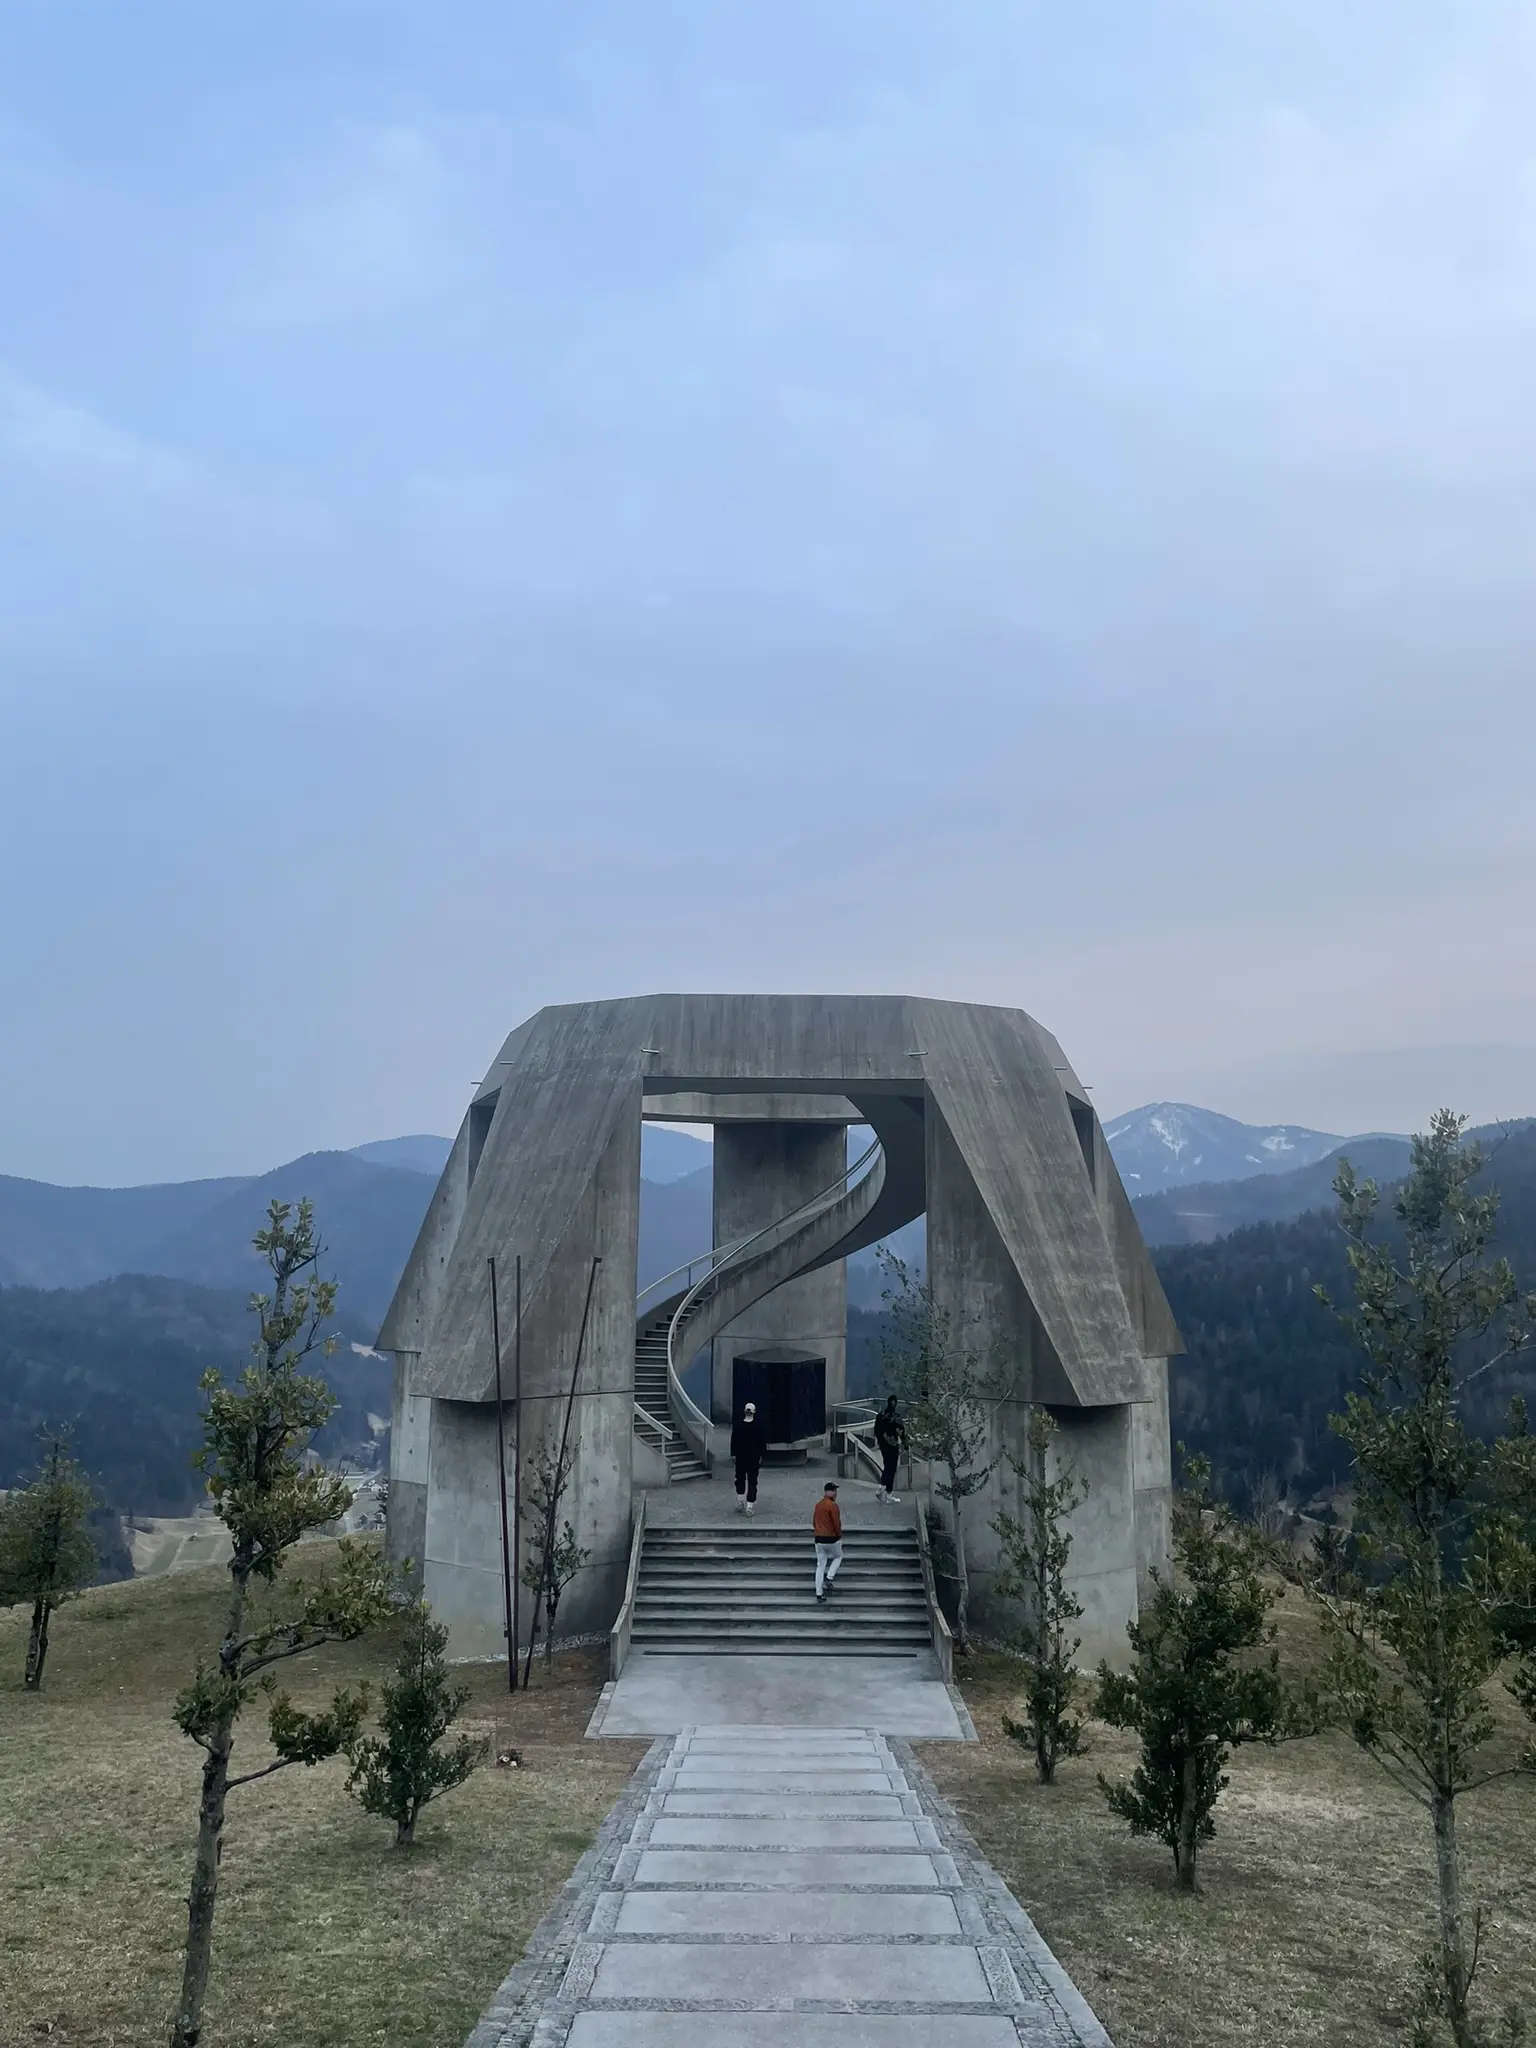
(501, 505)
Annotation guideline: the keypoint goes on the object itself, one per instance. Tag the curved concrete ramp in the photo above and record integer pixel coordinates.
(786, 1888)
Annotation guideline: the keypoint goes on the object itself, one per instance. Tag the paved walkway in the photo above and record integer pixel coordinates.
(661, 1695)
(786, 1888)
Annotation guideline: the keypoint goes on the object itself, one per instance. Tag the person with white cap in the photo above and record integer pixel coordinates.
(747, 1440)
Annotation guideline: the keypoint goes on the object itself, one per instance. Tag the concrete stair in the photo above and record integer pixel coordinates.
(651, 1393)
(749, 1588)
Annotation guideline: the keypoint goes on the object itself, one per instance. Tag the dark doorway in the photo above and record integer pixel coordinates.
(790, 1390)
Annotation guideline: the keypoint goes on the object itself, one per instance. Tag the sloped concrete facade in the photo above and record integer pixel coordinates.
(1033, 1250)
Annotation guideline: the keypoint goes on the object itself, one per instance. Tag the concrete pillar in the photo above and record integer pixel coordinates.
(1152, 1462)
(762, 1172)
(1096, 1444)
(977, 1285)
(410, 1441)
(462, 1542)
(463, 1577)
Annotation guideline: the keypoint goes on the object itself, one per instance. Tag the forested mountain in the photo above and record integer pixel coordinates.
(1266, 1363)
(1207, 1209)
(201, 1230)
(119, 1363)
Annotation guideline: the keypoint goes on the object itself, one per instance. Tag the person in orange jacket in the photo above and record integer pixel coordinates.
(827, 1528)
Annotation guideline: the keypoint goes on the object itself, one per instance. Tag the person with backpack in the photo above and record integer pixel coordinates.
(890, 1435)
(747, 1440)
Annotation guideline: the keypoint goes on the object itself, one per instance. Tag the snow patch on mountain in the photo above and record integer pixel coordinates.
(1171, 1144)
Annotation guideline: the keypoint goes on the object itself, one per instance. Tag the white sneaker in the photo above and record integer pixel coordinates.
(751, 1508)
(741, 1503)
(880, 1493)
(894, 1499)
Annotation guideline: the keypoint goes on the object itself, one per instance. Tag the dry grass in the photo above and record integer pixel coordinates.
(1317, 1892)
(328, 1937)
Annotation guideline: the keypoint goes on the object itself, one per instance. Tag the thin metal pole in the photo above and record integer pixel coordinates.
(517, 1470)
(501, 1468)
(556, 1486)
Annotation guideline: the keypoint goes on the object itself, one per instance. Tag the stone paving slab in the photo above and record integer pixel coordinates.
(796, 1831)
(721, 1777)
(791, 1916)
(825, 1972)
(817, 1805)
(813, 1930)
(770, 1869)
(658, 1694)
(776, 2030)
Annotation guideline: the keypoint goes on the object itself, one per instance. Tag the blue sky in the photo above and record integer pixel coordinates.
(502, 505)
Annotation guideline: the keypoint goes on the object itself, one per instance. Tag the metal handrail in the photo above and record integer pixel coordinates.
(619, 1634)
(648, 1421)
(806, 1213)
(685, 1272)
(938, 1628)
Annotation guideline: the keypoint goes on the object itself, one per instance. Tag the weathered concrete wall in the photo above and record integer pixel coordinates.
(762, 1172)
(1152, 1460)
(1095, 1444)
(410, 1445)
(463, 1572)
(463, 1539)
(976, 1282)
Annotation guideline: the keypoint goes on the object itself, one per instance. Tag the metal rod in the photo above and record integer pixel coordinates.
(501, 1470)
(557, 1478)
(517, 1468)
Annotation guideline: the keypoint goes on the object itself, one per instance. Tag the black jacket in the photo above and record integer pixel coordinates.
(888, 1431)
(747, 1440)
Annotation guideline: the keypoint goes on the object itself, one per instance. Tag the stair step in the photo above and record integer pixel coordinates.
(849, 1627)
(808, 1643)
(703, 1647)
(770, 1571)
(743, 1531)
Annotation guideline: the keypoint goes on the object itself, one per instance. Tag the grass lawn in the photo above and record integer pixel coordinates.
(1318, 1891)
(327, 1936)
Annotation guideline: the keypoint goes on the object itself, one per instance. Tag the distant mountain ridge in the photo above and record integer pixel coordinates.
(1173, 1144)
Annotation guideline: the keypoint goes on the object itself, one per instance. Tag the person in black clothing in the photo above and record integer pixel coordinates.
(890, 1433)
(747, 1440)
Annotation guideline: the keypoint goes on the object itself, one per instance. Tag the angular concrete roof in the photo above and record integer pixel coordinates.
(567, 1080)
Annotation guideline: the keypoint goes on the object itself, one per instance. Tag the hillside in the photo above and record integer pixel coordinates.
(1267, 1364)
(120, 1363)
(1209, 1209)
(201, 1230)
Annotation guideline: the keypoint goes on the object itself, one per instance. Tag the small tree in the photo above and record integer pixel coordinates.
(1438, 1588)
(1187, 1696)
(254, 1437)
(554, 1556)
(47, 1552)
(397, 1777)
(1035, 1554)
(947, 1399)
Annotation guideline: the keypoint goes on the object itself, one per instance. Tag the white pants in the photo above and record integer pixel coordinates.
(829, 1561)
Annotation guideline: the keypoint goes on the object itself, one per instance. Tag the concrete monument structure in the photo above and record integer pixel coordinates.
(980, 1122)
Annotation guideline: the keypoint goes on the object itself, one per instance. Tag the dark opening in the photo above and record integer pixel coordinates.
(790, 1390)
(480, 1118)
(1082, 1117)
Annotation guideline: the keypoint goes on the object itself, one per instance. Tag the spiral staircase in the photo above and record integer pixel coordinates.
(676, 1316)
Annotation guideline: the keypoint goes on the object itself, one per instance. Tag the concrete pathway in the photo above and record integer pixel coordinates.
(786, 1888)
(785, 1494)
(661, 1695)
